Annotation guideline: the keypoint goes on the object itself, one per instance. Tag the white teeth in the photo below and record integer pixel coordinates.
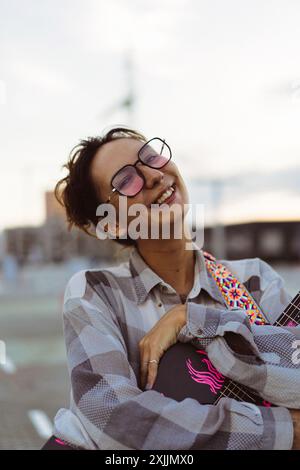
(165, 195)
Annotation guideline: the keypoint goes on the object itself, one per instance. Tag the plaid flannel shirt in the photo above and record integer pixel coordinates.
(106, 313)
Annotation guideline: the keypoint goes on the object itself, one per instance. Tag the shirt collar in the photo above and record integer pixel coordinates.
(144, 278)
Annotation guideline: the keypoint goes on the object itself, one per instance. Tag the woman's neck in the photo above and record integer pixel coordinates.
(171, 261)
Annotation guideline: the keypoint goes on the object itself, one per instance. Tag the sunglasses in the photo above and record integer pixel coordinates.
(129, 180)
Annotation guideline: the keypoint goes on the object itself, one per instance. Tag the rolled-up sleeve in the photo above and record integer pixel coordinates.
(271, 366)
(116, 414)
(268, 359)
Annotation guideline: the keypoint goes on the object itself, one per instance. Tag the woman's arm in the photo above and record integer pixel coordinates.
(116, 414)
(259, 356)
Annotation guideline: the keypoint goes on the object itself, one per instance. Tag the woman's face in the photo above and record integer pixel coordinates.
(113, 155)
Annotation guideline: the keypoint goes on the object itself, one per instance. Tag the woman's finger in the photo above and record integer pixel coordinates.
(144, 359)
(153, 366)
(152, 373)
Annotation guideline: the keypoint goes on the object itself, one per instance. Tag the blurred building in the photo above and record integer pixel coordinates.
(271, 241)
(52, 207)
(52, 242)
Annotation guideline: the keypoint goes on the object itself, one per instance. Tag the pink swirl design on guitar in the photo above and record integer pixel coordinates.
(212, 377)
(60, 442)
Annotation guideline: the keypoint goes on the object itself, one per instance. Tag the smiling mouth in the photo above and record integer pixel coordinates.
(166, 195)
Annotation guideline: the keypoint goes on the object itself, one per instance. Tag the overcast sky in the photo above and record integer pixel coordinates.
(219, 79)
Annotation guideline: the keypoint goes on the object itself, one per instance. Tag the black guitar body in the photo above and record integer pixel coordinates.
(185, 371)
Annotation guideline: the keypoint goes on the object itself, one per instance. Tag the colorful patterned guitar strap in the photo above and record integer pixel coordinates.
(233, 291)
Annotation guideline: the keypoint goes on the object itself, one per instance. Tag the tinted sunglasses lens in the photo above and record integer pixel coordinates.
(155, 154)
(128, 182)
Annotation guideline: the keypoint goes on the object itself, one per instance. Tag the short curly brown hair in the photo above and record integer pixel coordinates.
(76, 191)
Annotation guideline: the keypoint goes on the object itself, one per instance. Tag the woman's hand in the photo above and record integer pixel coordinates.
(160, 338)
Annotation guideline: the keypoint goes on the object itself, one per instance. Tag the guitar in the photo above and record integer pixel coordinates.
(186, 372)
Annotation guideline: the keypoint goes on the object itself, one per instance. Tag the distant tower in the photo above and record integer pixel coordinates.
(129, 101)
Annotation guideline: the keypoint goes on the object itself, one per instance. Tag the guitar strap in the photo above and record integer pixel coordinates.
(233, 291)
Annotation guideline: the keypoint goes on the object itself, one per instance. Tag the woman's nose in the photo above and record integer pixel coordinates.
(152, 175)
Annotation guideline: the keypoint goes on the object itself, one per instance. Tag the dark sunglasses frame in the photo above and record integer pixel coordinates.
(137, 170)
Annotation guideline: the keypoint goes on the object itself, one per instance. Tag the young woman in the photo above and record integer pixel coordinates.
(119, 321)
